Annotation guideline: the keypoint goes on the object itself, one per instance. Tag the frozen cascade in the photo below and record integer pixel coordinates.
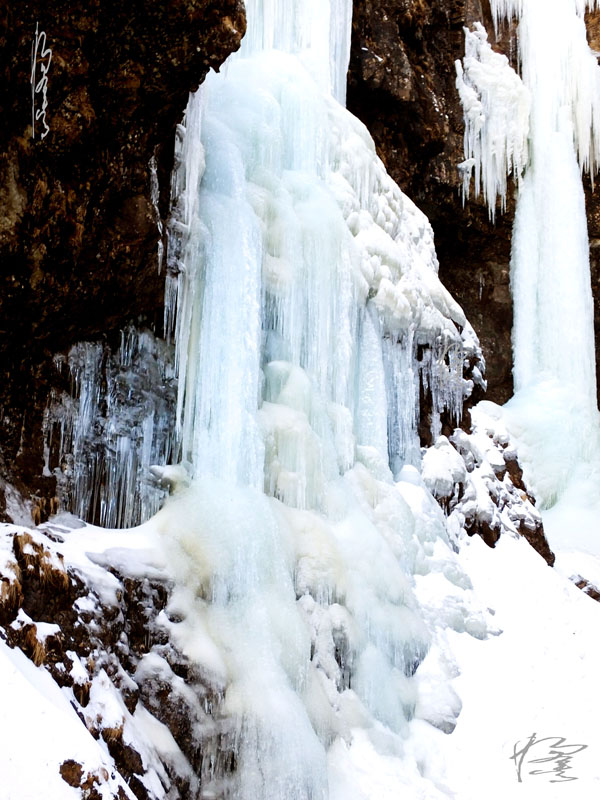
(557, 108)
(309, 323)
(320, 230)
(109, 426)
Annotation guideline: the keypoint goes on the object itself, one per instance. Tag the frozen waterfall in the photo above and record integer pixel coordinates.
(288, 241)
(545, 128)
(309, 324)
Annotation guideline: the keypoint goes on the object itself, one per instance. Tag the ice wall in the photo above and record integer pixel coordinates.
(288, 240)
(309, 321)
(547, 125)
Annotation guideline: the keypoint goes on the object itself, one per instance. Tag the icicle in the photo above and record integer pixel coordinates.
(154, 198)
(496, 112)
(117, 420)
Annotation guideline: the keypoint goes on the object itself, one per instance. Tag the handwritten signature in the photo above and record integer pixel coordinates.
(557, 751)
(39, 81)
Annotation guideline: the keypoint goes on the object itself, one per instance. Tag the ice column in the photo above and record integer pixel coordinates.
(553, 332)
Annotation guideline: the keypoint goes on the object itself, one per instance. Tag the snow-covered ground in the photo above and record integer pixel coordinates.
(536, 676)
(539, 676)
(533, 674)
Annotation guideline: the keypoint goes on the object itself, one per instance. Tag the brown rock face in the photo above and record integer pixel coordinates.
(101, 645)
(402, 85)
(79, 226)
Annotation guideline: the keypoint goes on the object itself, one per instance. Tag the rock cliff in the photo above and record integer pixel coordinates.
(86, 151)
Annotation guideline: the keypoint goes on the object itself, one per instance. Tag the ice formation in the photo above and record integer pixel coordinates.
(111, 423)
(330, 248)
(496, 107)
(554, 413)
(553, 334)
(309, 322)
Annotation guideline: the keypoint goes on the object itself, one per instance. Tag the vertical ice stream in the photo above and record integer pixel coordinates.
(553, 333)
(555, 110)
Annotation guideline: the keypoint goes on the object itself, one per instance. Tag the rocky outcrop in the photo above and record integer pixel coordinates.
(402, 85)
(477, 480)
(586, 587)
(105, 634)
(84, 182)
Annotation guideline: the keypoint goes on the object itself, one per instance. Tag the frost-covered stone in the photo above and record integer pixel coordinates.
(89, 631)
(477, 479)
(444, 471)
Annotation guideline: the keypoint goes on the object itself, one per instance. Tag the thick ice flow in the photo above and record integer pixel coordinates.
(553, 333)
(297, 241)
(309, 324)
